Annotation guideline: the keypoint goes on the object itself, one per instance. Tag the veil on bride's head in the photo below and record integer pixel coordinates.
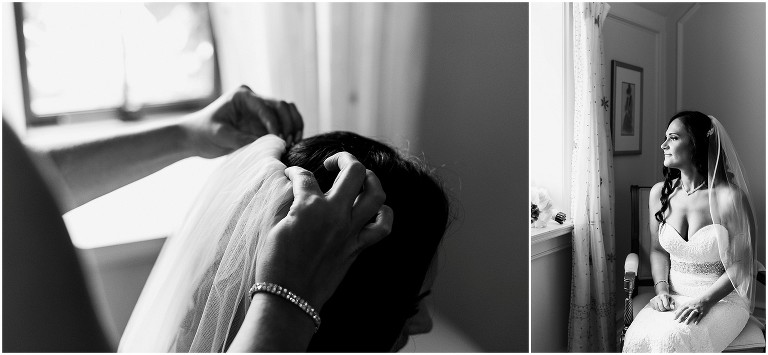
(728, 193)
(381, 290)
(197, 294)
(729, 203)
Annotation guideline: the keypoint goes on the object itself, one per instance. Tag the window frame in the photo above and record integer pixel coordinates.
(146, 111)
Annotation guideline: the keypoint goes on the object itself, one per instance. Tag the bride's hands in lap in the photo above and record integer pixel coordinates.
(310, 250)
(692, 311)
(662, 302)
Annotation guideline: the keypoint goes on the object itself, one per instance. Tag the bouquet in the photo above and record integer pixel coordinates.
(542, 210)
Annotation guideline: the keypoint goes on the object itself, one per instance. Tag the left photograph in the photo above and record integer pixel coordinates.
(276, 177)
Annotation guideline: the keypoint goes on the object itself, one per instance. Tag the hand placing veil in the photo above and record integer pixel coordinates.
(310, 250)
(330, 229)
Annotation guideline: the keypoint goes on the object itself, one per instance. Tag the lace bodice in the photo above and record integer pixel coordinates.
(694, 264)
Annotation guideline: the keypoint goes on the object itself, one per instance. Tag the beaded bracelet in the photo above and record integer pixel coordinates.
(288, 295)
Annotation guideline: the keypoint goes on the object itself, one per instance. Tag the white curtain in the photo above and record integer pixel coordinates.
(347, 66)
(591, 320)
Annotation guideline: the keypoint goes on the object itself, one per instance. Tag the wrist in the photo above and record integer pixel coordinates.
(289, 296)
(273, 325)
(189, 135)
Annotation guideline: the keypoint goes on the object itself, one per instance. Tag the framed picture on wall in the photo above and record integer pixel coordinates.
(627, 108)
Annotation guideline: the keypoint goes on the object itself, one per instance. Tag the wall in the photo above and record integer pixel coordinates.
(550, 304)
(636, 36)
(474, 128)
(730, 83)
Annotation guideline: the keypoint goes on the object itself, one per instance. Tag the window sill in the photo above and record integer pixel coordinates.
(148, 209)
(552, 238)
(104, 126)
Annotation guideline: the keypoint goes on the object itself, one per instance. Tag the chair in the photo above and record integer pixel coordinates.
(638, 282)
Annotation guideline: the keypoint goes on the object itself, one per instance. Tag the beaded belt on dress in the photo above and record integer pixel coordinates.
(714, 267)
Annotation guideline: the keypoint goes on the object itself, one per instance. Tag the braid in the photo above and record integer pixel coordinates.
(670, 175)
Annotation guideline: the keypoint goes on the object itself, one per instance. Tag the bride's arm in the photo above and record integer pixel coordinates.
(659, 257)
(79, 172)
(273, 324)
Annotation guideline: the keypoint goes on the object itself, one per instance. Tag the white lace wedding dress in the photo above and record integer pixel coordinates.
(694, 266)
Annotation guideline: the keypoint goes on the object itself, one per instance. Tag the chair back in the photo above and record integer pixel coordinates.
(641, 233)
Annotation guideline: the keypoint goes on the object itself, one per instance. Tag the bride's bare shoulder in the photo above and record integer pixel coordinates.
(656, 190)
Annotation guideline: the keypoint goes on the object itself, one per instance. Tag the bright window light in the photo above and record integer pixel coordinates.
(92, 56)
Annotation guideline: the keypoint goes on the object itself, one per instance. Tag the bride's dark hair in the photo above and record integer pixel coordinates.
(381, 289)
(697, 125)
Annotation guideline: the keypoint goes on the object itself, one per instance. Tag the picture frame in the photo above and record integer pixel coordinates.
(626, 108)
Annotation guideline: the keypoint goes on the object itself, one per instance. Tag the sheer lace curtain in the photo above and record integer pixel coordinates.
(348, 66)
(591, 320)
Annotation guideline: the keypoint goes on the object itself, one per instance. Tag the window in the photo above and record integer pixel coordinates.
(91, 60)
(551, 102)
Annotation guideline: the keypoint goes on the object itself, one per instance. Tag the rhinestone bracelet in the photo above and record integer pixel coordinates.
(288, 295)
(660, 281)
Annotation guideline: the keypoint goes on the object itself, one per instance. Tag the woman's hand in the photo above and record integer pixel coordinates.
(692, 311)
(310, 250)
(662, 302)
(238, 118)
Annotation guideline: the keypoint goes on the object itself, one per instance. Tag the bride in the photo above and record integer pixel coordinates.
(701, 253)
(197, 297)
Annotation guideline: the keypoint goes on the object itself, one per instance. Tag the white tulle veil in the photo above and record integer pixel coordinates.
(729, 203)
(200, 281)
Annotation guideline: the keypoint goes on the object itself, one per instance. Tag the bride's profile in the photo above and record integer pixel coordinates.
(702, 248)
(197, 295)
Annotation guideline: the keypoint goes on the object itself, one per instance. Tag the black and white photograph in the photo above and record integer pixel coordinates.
(627, 108)
(271, 177)
(647, 177)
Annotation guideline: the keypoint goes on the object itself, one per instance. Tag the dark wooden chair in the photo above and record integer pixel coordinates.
(638, 282)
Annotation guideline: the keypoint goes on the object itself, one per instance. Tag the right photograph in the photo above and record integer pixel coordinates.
(647, 130)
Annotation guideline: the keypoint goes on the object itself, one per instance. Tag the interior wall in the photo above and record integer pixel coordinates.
(730, 83)
(474, 128)
(550, 306)
(633, 36)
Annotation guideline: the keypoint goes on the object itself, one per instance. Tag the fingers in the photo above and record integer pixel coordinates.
(665, 303)
(256, 106)
(688, 314)
(699, 316)
(350, 179)
(376, 231)
(685, 315)
(276, 116)
(369, 201)
(303, 181)
(679, 312)
(692, 316)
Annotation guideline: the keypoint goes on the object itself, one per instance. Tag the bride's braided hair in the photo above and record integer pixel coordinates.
(697, 125)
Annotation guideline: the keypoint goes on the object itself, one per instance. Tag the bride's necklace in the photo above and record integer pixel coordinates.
(694, 189)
